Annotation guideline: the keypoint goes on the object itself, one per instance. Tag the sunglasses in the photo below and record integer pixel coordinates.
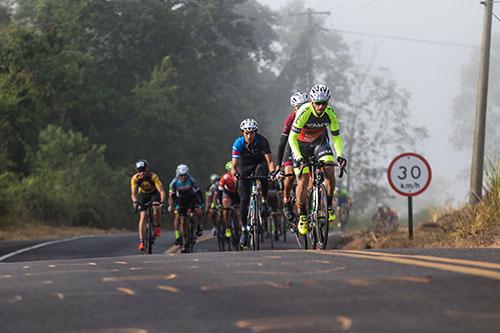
(321, 103)
(249, 132)
(141, 169)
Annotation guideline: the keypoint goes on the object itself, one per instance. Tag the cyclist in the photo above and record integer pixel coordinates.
(251, 153)
(185, 193)
(284, 152)
(146, 187)
(210, 206)
(310, 137)
(343, 204)
(227, 192)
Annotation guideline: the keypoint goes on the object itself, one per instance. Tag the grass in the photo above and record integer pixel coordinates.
(469, 226)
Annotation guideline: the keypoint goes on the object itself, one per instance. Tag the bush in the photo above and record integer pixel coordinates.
(72, 184)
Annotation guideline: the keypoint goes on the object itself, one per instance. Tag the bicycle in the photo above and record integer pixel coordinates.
(254, 221)
(149, 231)
(190, 240)
(229, 243)
(317, 236)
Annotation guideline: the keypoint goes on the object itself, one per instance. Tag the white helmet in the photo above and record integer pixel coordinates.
(320, 93)
(182, 169)
(248, 125)
(298, 99)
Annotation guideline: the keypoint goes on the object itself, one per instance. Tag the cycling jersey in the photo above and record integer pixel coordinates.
(147, 182)
(227, 183)
(184, 189)
(287, 126)
(251, 153)
(310, 128)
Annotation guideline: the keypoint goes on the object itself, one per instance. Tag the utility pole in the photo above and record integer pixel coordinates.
(476, 182)
(309, 38)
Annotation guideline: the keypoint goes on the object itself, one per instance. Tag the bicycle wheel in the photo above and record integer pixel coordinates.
(220, 236)
(311, 236)
(190, 235)
(149, 239)
(322, 225)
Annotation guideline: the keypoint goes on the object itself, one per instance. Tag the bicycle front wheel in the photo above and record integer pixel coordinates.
(322, 225)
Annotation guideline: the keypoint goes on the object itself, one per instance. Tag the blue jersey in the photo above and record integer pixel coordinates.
(184, 189)
(252, 153)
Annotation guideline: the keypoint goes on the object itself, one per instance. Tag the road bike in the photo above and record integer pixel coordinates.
(227, 243)
(317, 236)
(190, 226)
(254, 220)
(149, 228)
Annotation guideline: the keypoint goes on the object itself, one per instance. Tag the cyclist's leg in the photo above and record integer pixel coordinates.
(244, 188)
(324, 153)
(263, 171)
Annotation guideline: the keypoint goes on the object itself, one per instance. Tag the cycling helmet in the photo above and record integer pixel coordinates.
(141, 165)
(298, 99)
(229, 166)
(320, 93)
(213, 177)
(248, 125)
(182, 169)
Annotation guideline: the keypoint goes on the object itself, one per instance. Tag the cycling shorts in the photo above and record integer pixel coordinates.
(235, 198)
(321, 152)
(144, 198)
(185, 203)
(287, 156)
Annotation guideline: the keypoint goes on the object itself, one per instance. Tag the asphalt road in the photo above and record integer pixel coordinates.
(110, 287)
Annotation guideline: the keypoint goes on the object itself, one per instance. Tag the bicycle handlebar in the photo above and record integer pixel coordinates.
(311, 162)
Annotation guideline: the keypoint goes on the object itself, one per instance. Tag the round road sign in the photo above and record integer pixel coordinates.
(409, 174)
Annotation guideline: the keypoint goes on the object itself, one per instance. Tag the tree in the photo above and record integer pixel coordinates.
(376, 121)
(372, 109)
(464, 106)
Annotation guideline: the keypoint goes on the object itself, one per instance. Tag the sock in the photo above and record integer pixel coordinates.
(329, 201)
(177, 234)
(303, 210)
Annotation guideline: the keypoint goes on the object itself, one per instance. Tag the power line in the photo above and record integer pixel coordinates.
(498, 18)
(408, 39)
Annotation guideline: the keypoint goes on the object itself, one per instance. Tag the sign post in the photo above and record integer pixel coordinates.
(409, 174)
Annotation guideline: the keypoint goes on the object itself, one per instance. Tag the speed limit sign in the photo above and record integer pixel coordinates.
(409, 174)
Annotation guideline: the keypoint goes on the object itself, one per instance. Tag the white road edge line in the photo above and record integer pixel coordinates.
(8, 255)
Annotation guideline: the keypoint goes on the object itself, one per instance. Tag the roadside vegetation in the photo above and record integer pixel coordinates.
(468, 226)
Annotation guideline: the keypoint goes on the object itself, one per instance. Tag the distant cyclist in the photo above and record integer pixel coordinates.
(251, 153)
(227, 193)
(146, 187)
(343, 205)
(285, 162)
(313, 124)
(210, 207)
(185, 193)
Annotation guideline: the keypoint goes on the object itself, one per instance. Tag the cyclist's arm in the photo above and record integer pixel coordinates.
(234, 162)
(197, 191)
(338, 143)
(171, 192)
(281, 148)
(133, 189)
(267, 154)
(300, 120)
(159, 187)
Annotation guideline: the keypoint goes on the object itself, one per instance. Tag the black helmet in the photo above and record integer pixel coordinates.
(141, 165)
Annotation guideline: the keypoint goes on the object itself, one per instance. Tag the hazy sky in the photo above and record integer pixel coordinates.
(430, 72)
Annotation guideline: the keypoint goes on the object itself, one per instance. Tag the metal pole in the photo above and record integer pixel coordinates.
(476, 182)
(410, 218)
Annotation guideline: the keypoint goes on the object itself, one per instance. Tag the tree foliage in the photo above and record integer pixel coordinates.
(464, 106)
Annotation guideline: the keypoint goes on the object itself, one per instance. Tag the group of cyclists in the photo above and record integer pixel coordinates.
(310, 131)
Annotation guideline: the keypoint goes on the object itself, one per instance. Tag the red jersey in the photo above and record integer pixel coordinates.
(287, 124)
(227, 183)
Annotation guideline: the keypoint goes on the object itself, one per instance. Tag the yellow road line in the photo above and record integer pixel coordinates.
(414, 262)
(482, 264)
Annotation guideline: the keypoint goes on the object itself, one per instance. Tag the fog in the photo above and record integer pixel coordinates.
(430, 71)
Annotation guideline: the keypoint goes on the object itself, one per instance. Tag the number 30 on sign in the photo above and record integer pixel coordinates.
(409, 174)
